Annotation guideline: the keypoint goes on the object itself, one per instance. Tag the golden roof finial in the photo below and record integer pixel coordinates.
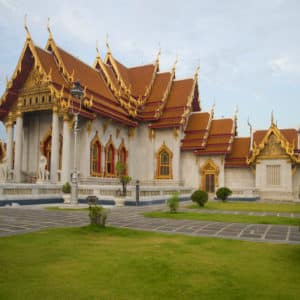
(97, 49)
(28, 36)
(107, 44)
(49, 29)
(197, 72)
(175, 63)
(158, 56)
(272, 118)
(236, 112)
(212, 110)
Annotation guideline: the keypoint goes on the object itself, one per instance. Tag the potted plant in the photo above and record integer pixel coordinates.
(66, 189)
(124, 180)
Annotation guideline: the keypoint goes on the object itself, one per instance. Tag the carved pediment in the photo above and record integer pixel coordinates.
(273, 148)
(35, 82)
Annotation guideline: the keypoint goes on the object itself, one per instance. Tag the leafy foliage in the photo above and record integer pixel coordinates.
(223, 193)
(173, 202)
(200, 197)
(66, 188)
(123, 177)
(98, 215)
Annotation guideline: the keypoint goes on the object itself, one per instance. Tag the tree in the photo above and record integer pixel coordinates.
(123, 177)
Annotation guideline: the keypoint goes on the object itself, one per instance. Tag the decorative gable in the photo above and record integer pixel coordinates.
(273, 146)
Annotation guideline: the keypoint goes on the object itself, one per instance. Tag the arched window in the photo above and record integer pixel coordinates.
(95, 156)
(164, 163)
(122, 156)
(109, 159)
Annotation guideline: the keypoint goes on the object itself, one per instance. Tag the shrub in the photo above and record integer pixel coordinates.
(66, 188)
(98, 215)
(200, 197)
(173, 202)
(223, 193)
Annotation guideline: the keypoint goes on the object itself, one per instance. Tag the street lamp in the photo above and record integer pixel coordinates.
(76, 92)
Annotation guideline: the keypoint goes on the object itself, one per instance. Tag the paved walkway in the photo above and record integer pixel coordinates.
(18, 220)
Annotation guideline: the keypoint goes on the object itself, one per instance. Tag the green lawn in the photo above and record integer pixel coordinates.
(87, 263)
(251, 206)
(65, 208)
(225, 218)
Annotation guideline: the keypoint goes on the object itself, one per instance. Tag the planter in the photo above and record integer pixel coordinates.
(119, 201)
(67, 198)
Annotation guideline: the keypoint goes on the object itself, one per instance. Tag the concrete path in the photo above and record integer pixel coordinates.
(18, 220)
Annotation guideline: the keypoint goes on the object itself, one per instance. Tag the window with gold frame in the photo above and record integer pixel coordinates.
(164, 163)
(95, 156)
(122, 156)
(110, 159)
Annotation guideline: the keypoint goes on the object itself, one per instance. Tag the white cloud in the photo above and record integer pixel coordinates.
(284, 64)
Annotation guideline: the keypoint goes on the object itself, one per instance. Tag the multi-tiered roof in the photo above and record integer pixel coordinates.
(112, 90)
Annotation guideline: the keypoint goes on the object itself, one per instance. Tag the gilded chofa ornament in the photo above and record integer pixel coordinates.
(273, 146)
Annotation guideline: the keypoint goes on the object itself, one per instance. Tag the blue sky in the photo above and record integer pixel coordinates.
(249, 51)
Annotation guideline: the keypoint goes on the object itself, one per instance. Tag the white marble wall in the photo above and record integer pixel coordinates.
(239, 178)
(296, 184)
(285, 176)
(191, 166)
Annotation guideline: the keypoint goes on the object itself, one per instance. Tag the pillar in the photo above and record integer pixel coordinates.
(18, 147)
(10, 143)
(65, 175)
(54, 146)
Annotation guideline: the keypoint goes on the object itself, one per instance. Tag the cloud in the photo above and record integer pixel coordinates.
(284, 64)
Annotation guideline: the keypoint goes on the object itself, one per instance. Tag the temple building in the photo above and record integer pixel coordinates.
(149, 120)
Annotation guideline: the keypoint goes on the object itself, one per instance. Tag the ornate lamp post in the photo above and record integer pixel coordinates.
(77, 92)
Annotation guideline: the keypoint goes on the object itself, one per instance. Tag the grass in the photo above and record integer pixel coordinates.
(225, 218)
(250, 206)
(90, 263)
(66, 208)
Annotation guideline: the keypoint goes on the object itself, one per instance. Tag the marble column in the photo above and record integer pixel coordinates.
(18, 148)
(65, 175)
(54, 147)
(10, 144)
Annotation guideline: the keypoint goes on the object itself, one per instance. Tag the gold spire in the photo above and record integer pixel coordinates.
(49, 29)
(212, 110)
(272, 118)
(107, 45)
(28, 36)
(158, 56)
(97, 49)
(236, 112)
(175, 63)
(197, 72)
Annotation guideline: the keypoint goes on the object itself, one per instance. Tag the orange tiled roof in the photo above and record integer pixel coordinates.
(176, 104)
(140, 78)
(196, 131)
(239, 152)
(219, 138)
(124, 94)
(156, 97)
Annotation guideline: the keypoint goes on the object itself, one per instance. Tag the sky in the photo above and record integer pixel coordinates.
(248, 51)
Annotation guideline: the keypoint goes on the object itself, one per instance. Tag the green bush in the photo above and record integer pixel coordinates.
(200, 197)
(173, 202)
(123, 177)
(66, 188)
(98, 215)
(223, 193)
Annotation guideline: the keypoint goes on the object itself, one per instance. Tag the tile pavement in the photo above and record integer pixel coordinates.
(17, 220)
